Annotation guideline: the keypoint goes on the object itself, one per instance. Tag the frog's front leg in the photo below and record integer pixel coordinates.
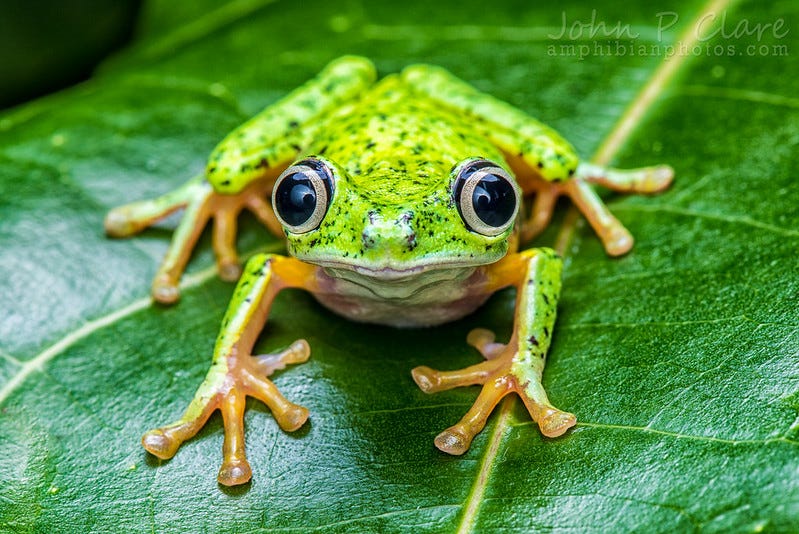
(236, 374)
(515, 367)
(543, 161)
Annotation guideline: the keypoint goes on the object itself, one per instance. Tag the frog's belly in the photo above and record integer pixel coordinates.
(427, 299)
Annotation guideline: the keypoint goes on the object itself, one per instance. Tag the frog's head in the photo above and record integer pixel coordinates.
(390, 222)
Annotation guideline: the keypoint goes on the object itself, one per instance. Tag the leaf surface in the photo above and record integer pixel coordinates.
(678, 359)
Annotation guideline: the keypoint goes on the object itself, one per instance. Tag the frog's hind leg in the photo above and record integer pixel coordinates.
(265, 214)
(202, 204)
(542, 210)
(642, 180)
(543, 161)
(130, 219)
(195, 196)
(616, 239)
(223, 240)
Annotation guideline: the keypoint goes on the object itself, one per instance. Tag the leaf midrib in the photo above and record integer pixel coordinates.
(622, 130)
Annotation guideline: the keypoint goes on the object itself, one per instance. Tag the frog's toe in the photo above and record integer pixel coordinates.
(234, 472)
(426, 378)
(483, 340)
(165, 289)
(292, 418)
(660, 178)
(454, 440)
(645, 180)
(298, 352)
(160, 444)
(229, 269)
(165, 441)
(223, 240)
(118, 223)
(432, 381)
(457, 438)
(555, 422)
(618, 241)
(289, 416)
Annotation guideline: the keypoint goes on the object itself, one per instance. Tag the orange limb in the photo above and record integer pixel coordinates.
(516, 367)
(201, 204)
(615, 238)
(236, 374)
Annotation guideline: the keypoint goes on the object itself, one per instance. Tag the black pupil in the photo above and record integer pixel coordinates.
(295, 199)
(494, 200)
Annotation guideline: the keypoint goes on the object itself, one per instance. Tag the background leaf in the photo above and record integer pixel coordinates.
(678, 359)
(55, 44)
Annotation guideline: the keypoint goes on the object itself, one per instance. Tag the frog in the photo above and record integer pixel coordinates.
(401, 202)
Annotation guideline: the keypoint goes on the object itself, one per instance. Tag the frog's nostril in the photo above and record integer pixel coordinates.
(405, 225)
(389, 232)
(404, 219)
(411, 240)
(368, 239)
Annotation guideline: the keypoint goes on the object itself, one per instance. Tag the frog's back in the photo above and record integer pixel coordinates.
(392, 131)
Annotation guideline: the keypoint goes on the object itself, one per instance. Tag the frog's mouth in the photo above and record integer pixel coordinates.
(388, 273)
(385, 274)
(388, 283)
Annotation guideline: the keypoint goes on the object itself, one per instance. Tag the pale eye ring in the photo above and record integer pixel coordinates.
(487, 197)
(302, 194)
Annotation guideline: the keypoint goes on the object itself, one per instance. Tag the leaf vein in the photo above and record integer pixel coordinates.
(679, 435)
(10, 359)
(37, 363)
(758, 97)
(410, 409)
(730, 219)
(629, 120)
(579, 326)
(475, 498)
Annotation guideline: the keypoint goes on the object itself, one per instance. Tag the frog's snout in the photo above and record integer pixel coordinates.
(392, 232)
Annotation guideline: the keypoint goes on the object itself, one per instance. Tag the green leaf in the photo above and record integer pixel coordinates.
(679, 359)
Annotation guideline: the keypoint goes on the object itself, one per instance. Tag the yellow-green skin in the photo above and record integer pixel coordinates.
(392, 247)
(392, 207)
(395, 148)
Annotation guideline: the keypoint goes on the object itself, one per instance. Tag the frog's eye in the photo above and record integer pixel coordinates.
(487, 197)
(302, 194)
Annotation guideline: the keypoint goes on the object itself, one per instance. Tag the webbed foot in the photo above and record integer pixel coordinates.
(616, 239)
(503, 372)
(226, 387)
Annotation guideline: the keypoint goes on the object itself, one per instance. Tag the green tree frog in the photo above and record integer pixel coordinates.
(401, 204)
